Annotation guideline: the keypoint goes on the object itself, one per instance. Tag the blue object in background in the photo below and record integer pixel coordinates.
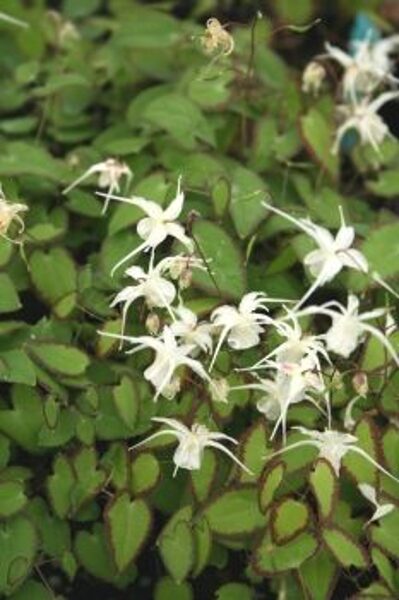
(362, 29)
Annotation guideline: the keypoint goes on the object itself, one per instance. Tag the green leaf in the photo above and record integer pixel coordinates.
(385, 535)
(145, 28)
(16, 367)
(55, 535)
(177, 545)
(60, 485)
(145, 473)
(18, 545)
(386, 185)
(203, 479)
(32, 590)
(234, 513)
(248, 191)
(12, 498)
(325, 487)
(289, 517)
(54, 277)
(224, 259)
(127, 402)
(384, 566)
(89, 478)
(23, 422)
(221, 195)
(181, 118)
(234, 591)
(253, 449)
(359, 467)
(22, 158)
(203, 545)
(270, 558)
(318, 136)
(166, 589)
(9, 300)
(344, 548)
(318, 576)
(59, 358)
(128, 525)
(271, 479)
(93, 554)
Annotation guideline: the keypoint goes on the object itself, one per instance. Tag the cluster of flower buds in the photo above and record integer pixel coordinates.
(367, 72)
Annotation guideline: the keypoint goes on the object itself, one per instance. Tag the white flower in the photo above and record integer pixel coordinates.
(243, 325)
(155, 289)
(349, 327)
(313, 77)
(297, 345)
(189, 331)
(332, 254)
(363, 117)
(8, 213)
(169, 355)
(293, 383)
(367, 68)
(332, 446)
(192, 443)
(370, 494)
(110, 172)
(349, 421)
(158, 225)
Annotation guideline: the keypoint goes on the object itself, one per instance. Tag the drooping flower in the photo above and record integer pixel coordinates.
(219, 389)
(313, 77)
(293, 382)
(381, 510)
(349, 328)
(297, 345)
(10, 212)
(192, 443)
(369, 66)
(217, 38)
(110, 172)
(362, 116)
(332, 254)
(333, 447)
(187, 328)
(169, 356)
(158, 225)
(242, 325)
(157, 291)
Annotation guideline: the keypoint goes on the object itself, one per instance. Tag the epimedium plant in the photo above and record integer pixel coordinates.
(198, 270)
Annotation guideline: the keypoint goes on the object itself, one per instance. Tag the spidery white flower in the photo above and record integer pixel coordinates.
(297, 345)
(10, 212)
(157, 226)
(381, 510)
(219, 389)
(216, 37)
(110, 172)
(367, 68)
(362, 116)
(152, 286)
(187, 328)
(293, 382)
(332, 254)
(242, 325)
(169, 355)
(349, 328)
(192, 443)
(333, 447)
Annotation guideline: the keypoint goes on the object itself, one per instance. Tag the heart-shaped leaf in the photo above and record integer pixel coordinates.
(128, 525)
(344, 548)
(177, 545)
(288, 518)
(325, 487)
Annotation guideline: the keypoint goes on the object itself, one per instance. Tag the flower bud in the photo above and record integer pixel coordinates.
(185, 279)
(313, 77)
(360, 383)
(173, 388)
(152, 323)
(219, 389)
